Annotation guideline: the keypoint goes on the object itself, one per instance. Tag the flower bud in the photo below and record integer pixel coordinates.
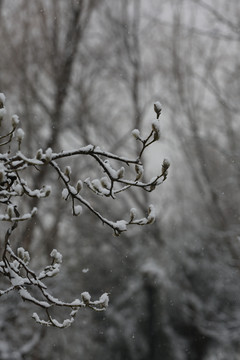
(151, 214)
(26, 257)
(157, 108)
(156, 129)
(65, 194)
(20, 135)
(105, 182)
(139, 170)
(57, 256)
(136, 133)
(48, 190)
(20, 253)
(79, 186)
(165, 165)
(68, 171)
(104, 300)
(133, 214)
(15, 121)
(10, 211)
(120, 173)
(39, 154)
(48, 155)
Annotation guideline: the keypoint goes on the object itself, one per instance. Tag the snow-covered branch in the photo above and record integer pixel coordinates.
(13, 184)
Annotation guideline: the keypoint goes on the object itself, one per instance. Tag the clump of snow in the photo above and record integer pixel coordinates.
(18, 188)
(27, 296)
(86, 297)
(85, 270)
(76, 302)
(110, 170)
(121, 225)
(77, 210)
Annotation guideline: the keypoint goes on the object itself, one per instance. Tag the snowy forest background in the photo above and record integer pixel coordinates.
(88, 71)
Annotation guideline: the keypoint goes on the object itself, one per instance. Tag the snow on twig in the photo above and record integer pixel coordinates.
(14, 265)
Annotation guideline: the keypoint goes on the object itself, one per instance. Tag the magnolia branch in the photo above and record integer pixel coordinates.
(14, 265)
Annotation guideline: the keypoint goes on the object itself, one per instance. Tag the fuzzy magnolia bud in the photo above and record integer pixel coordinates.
(39, 154)
(48, 190)
(20, 253)
(133, 214)
(165, 165)
(10, 211)
(157, 108)
(26, 257)
(68, 171)
(34, 211)
(136, 133)
(156, 129)
(56, 256)
(23, 255)
(151, 214)
(20, 135)
(48, 155)
(65, 194)
(120, 173)
(96, 185)
(104, 300)
(15, 121)
(139, 170)
(79, 186)
(105, 182)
